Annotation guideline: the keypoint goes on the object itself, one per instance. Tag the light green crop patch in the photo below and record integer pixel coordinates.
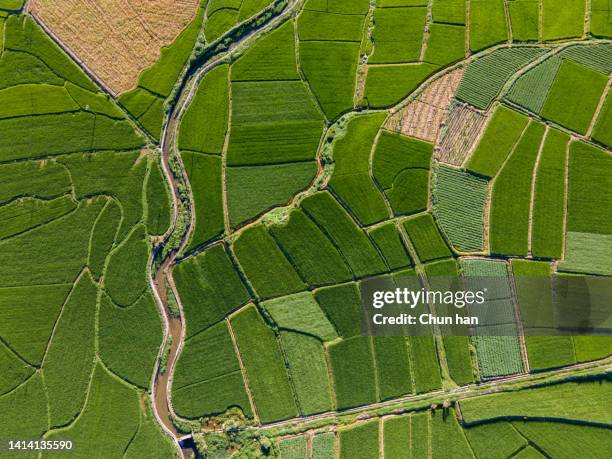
(300, 312)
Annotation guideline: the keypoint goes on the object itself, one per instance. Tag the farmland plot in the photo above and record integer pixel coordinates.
(574, 96)
(265, 367)
(487, 24)
(360, 441)
(398, 34)
(562, 21)
(401, 166)
(208, 379)
(458, 204)
(497, 345)
(504, 129)
(351, 180)
(396, 432)
(495, 68)
(511, 196)
(329, 46)
(428, 242)
(525, 17)
(543, 352)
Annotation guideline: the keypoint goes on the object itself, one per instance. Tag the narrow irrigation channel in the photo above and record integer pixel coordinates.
(177, 237)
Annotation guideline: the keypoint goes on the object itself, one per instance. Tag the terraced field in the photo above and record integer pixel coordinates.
(192, 205)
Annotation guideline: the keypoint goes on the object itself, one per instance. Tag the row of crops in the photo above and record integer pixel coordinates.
(80, 199)
(474, 431)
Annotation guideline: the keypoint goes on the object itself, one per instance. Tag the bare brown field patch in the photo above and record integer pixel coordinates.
(423, 118)
(115, 39)
(459, 135)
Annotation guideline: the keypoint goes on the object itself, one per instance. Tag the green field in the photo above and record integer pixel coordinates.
(458, 204)
(309, 372)
(264, 365)
(306, 245)
(497, 68)
(548, 201)
(208, 379)
(511, 197)
(574, 96)
(562, 21)
(265, 265)
(401, 166)
(353, 368)
(209, 287)
(386, 85)
(360, 441)
(398, 34)
(428, 242)
(351, 180)
(579, 401)
(525, 17)
(487, 23)
(503, 130)
(389, 240)
(353, 243)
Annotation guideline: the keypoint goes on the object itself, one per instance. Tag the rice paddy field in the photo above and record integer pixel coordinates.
(194, 208)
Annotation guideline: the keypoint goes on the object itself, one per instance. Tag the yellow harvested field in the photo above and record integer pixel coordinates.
(115, 39)
(423, 118)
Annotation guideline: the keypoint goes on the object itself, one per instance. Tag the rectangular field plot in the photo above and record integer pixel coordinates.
(252, 190)
(320, 26)
(487, 24)
(511, 197)
(358, 250)
(425, 235)
(501, 134)
(309, 372)
(398, 34)
(548, 205)
(208, 379)
(396, 432)
(496, 341)
(578, 401)
(209, 287)
(273, 122)
(360, 441)
(602, 132)
(446, 44)
(315, 257)
(449, 11)
(271, 58)
(458, 204)
(294, 447)
(389, 241)
(601, 26)
(387, 85)
(574, 96)
(588, 253)
(496, 68)
(447, 435)
(401, 166)
(204, 124)
(342, 305)
(353, 370)
(265, 265)
(330, 68)
(265, 366)
(204, 172)
(543, 352)
(392, 366)
(562, 20)
(590, 172)
(525, 17)
(323, 446)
